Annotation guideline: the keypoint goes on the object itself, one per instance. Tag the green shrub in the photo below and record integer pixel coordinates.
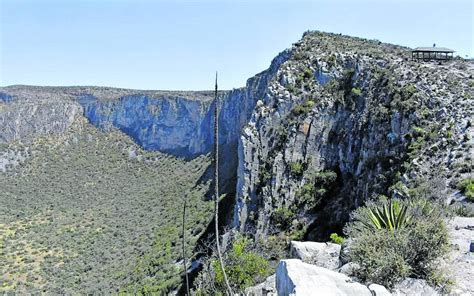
(298, 232)
(264, 173)
(282, 217)
(243, 266)
(467, 188)
(298, 110)
(335, 238)
(387, 253)
(302, 109)
(408, 90)
(325, 178)
(307, 73)
(381, 256)
(332, 61)
(309, 104)
(296, 168)
(316, 188)
(418, 131)
(305, 194)
(292, 89)
(463, 210)
(299, 81)
(356, 91)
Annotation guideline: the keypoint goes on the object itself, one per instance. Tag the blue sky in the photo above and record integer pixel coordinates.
(179, 44)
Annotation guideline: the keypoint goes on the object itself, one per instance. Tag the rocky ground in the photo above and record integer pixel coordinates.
(461, 259)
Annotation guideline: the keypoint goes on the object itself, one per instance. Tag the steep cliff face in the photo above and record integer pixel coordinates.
(23, 119)
(345, 119)
(169, 124)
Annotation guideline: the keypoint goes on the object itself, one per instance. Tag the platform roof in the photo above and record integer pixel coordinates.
(433, 49)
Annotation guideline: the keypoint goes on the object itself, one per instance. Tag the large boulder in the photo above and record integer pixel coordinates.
(294, 277)
(320, 254)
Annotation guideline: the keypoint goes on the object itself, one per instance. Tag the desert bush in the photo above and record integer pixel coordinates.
(336, 238)
(356, 91)
(282, 217)
(466, 187)
(393, 239)
(418, 131)
(307, 73)
(309, 104)
(306, 194)
(296, 168)
(244, 267)
(325, 178)
(316, 188)
(264, 173)
(298, 110)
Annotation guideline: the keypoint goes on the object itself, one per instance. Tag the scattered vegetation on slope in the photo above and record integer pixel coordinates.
(91, 212)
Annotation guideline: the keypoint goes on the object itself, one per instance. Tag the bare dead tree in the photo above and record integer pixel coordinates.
(216, 190)
(184, 246)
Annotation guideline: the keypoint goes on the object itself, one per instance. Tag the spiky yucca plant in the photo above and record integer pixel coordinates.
(392, 215)
(395, 239)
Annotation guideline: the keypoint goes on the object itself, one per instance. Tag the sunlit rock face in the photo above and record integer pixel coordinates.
(169, 124)
(25, 119)
(358, 109)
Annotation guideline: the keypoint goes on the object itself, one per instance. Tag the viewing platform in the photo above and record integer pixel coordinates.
(432, 54)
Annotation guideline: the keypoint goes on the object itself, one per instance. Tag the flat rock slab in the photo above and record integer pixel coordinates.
(294, 277)
(320, 254)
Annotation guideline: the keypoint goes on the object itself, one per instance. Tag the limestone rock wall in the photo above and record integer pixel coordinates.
(359, 109)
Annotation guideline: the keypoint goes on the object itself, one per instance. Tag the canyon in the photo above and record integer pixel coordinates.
(334, 121)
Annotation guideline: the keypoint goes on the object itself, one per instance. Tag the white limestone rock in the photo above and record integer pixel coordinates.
(349, 268)
(320, 254)
(267, 288)
(379, 290)
(294, 277)
(460, 264)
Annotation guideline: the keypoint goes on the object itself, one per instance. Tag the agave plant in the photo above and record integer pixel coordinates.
(392, 215)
